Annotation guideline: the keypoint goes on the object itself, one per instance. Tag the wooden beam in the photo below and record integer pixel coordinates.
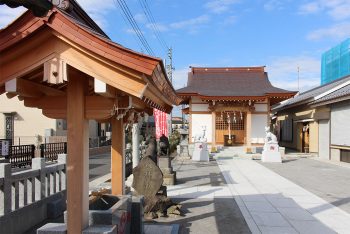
(117, 157)
(59, 102)
(137, 103)
(28, 88)
(78, 155)
(96, 107)
(55, 114)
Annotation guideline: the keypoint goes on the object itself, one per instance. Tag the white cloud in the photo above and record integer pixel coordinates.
(336, 9)
(191, 22)
(159, 26)
(7, 14)
(191, 25)
(220, 6)
(340, 12)
(310, 8)
(140, 18)
(230, 20)
(98, 10)
(132, 31)
(272, 5)
(180, 78)
(283, 72)
(95, 9)
(337, 31)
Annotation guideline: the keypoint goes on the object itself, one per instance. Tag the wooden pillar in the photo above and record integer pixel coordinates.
(118, 159)
(213, 138)
(249, 129)
(78, 155)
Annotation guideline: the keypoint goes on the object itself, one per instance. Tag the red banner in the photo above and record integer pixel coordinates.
(160, 119)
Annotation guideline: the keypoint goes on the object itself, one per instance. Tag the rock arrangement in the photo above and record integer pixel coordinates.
(148, 180)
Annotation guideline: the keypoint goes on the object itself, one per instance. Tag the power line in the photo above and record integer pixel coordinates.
(135, 26)
(153, 24)
(124, 7)
(133, 34)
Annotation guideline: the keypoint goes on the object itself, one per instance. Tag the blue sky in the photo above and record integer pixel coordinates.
(281, 34)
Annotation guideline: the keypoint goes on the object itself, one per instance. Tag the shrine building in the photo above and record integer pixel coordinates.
(232, 103)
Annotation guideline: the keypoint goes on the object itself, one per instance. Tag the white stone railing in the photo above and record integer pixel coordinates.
(26, 187)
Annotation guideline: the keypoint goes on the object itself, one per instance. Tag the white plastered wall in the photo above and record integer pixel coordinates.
(259, 122)
(199, 120)
(27, 121)
(260, 107)
(199, 107)
(197, 100)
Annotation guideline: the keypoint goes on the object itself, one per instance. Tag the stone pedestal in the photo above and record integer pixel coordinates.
(184, 152)
(200, 152)
(169, 176)
(271, 153)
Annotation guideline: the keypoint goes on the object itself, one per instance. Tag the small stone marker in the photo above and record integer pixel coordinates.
(147, 178)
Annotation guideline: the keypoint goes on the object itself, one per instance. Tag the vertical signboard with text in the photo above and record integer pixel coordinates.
(160, 119)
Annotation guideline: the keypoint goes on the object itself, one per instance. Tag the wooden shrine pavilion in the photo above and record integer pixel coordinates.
(232, 104)
(67, 66)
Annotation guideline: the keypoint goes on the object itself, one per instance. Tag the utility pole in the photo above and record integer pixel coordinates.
(170, 70)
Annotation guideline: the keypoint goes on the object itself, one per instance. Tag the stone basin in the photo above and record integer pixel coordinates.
(111, 210)
(104, 203)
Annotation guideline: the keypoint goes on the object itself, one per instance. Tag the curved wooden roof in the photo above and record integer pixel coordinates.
(87, 37)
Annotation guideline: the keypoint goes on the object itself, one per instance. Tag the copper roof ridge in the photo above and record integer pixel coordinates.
(227, 69)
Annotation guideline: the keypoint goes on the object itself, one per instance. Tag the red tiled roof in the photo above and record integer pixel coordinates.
(229, 82)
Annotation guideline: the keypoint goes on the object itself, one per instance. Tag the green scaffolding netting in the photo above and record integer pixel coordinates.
(336, 62)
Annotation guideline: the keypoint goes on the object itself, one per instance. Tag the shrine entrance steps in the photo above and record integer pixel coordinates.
(230, 152)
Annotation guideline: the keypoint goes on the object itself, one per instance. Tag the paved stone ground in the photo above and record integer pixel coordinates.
(271, 203)
(207, 202)
(330, 182)
(99, 165)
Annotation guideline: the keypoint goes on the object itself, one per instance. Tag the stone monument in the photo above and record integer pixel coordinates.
(164, 161)
(148, 179)
(200, 152)
(271, 149)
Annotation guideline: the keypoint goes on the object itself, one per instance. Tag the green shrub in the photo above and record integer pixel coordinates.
(174, 140)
